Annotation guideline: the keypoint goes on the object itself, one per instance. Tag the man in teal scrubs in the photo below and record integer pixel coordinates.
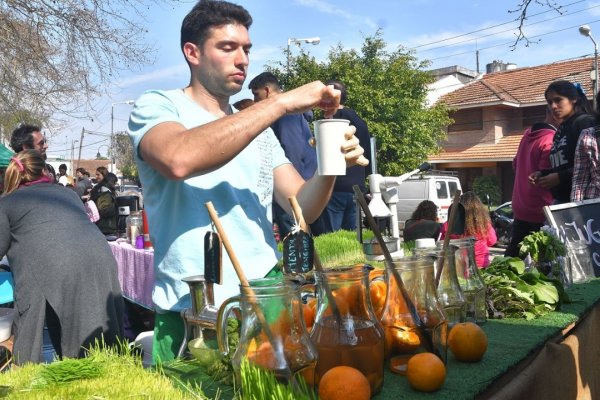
(192, 147)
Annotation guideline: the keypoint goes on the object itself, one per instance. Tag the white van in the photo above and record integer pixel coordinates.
(436, 186)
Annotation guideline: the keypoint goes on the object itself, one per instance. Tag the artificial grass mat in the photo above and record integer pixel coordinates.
(509, 342)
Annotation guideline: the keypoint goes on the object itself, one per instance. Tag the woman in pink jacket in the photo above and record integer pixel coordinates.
(528, 200)
(477, 225)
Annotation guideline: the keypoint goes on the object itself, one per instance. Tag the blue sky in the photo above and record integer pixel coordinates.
(447, 33)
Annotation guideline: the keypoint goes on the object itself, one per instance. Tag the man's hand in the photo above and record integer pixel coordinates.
(311, 95)
(546, 182)
(353, 152)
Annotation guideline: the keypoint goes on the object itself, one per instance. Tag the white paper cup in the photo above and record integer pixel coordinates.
(329, 135)
(424, 243)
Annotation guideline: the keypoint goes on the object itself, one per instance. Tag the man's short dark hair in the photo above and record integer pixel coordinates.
(341, 87)
(208, 14)
(81, 170)
(23, 135)
(264, 79)
(63, 167)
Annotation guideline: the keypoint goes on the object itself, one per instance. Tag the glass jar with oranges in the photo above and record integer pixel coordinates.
(404, 335)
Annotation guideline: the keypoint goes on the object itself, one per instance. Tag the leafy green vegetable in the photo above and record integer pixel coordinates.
(221, 370)
(513, 292)
(542, 246)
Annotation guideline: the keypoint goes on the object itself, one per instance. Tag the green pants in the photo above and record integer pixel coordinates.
(169, 331)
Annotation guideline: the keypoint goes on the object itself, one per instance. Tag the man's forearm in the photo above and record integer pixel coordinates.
(179, 155)
(314, 196)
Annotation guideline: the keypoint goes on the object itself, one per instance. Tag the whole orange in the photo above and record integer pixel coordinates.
(344, 383)
(425, 372)
(467, 341)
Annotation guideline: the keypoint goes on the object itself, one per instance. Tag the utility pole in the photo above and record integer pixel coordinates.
(80, 145)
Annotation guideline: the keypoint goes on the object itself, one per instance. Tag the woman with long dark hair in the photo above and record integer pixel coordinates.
(75, 292)
(104, 195)
(478, 225)
(567, 102)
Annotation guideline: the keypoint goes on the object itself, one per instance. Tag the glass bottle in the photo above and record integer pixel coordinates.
(582, 269)
(135, 226)
(449, 291)
(404, 336)
(273, 335)
(470, 279)
(352, 337)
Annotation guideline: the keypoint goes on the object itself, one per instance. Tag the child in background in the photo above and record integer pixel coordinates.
(478, 225)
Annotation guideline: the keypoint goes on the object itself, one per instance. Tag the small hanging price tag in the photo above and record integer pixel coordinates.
(298, 252)
(212, 258)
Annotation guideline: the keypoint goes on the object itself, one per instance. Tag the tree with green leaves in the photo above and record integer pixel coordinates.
(389, 91)
(124, 159)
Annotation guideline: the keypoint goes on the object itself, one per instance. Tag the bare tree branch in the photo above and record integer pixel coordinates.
(57, 56)
(523, 9)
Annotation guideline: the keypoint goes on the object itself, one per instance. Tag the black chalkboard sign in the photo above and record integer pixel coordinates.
(577, 221)
(298, 253)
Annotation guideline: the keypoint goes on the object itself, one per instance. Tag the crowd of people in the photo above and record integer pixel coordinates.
(66, 299)
(191, 147)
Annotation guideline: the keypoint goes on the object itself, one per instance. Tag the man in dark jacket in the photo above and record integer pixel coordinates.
(293, 132)
(340, 212)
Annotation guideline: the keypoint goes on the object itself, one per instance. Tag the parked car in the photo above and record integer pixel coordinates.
(436, 186)
(502, 221)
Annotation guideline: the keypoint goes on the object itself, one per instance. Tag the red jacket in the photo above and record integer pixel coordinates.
(533, 155)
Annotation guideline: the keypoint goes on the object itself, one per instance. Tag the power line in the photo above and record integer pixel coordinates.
(496, 26)
(509, 30)
(508, 43)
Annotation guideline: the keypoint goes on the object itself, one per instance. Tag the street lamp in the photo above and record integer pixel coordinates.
(98, 155)
(585, 30)
(313, 40)
(112, 130)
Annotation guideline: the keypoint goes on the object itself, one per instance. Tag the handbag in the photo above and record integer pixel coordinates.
(91, 210)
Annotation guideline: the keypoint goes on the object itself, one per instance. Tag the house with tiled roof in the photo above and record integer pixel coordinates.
(491, 113)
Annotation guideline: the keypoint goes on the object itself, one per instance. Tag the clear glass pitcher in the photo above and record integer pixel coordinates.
(404, 336)
(449, 291)
(347, 331)
(273, 334)
(470, 279)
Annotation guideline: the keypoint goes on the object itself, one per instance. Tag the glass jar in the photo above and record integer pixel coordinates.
(273, 334)
(353, 336)
(582, 269)
(404, 336)
(470, 280)
(135, 226)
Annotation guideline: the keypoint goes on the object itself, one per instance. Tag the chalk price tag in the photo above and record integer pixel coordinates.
(298, 253)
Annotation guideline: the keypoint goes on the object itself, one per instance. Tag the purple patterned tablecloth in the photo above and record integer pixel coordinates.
(136, 272)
